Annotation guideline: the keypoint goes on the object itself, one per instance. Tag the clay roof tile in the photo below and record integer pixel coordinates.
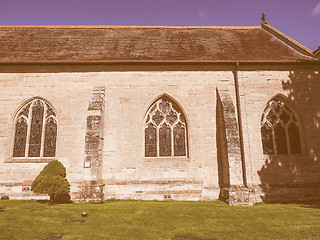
(143, 43)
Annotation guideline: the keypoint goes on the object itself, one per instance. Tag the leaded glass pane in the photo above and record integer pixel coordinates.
(281, 140)
(284, 117)
(179, 140)
(50, 138)
(294, 138)
(165, 140)
(150, 141)
(276, 105)
(20, 138)
(271, 117)
(36, 129)
(267, 141)
(171, 118)
(157, 117)
(25, 111)
(164, 106)
(50, 111)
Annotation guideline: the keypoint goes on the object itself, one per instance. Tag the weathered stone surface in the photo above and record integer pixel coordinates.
(92, 191)
(238, 196)
(124, 169)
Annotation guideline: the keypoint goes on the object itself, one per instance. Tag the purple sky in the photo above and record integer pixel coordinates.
(300, 19)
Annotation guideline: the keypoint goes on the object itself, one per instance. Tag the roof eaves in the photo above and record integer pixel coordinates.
(314, 61)
(288, 40)
(316, 53)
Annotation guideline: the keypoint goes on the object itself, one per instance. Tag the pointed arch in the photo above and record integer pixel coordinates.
(281, 129)
(165, 129)
(35, 133)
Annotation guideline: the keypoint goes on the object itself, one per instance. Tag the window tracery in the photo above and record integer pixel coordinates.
(280, 129)
(165, 130)
(35, 130)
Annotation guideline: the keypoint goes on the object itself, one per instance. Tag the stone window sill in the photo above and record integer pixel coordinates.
(286, 155)
(30, 160)
(173, 158)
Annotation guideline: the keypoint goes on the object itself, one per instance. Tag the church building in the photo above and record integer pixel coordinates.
(181, 113)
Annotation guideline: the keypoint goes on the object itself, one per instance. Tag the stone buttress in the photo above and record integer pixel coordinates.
(233, 189)
(92, 187)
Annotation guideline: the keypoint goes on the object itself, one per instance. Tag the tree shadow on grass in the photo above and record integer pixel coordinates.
(48, 202)
(187, 238)
(303, 204)
(311, 204)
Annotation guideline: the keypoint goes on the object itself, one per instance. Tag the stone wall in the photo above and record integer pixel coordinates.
(125, 171)
(282, 177)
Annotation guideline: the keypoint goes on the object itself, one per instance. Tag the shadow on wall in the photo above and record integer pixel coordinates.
(290, 174)
(222, 149)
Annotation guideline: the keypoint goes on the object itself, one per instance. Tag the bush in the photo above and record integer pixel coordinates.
(52, 181)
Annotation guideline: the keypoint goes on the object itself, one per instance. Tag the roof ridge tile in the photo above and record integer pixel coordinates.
(128, 26)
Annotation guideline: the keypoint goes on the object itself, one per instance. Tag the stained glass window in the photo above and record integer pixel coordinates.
(50, 138)
(165, 130)
(151, 141)
(280, 129)
(21, 137)
(179, 133)
(35, 130)
(267, 139)
(164, 140)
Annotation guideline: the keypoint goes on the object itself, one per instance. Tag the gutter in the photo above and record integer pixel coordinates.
(293, 62)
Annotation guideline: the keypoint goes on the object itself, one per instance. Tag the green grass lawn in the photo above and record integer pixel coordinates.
(157, 220)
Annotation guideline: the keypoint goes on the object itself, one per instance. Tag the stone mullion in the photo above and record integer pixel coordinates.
(158, 140)
(172, 141)
(158, 130)
(43, 129)
(274, 140)
(171, 129)
(185, 141)
(29, 129)
(302, 140)
(287, 139)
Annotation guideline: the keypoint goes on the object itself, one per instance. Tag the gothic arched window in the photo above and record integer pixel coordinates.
(35, 130)
(165, 130)
(280, 129)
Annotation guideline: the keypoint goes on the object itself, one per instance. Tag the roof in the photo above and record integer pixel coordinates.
(129, 44)
(316, 53)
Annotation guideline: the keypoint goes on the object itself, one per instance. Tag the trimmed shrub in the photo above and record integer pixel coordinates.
(52, 181)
